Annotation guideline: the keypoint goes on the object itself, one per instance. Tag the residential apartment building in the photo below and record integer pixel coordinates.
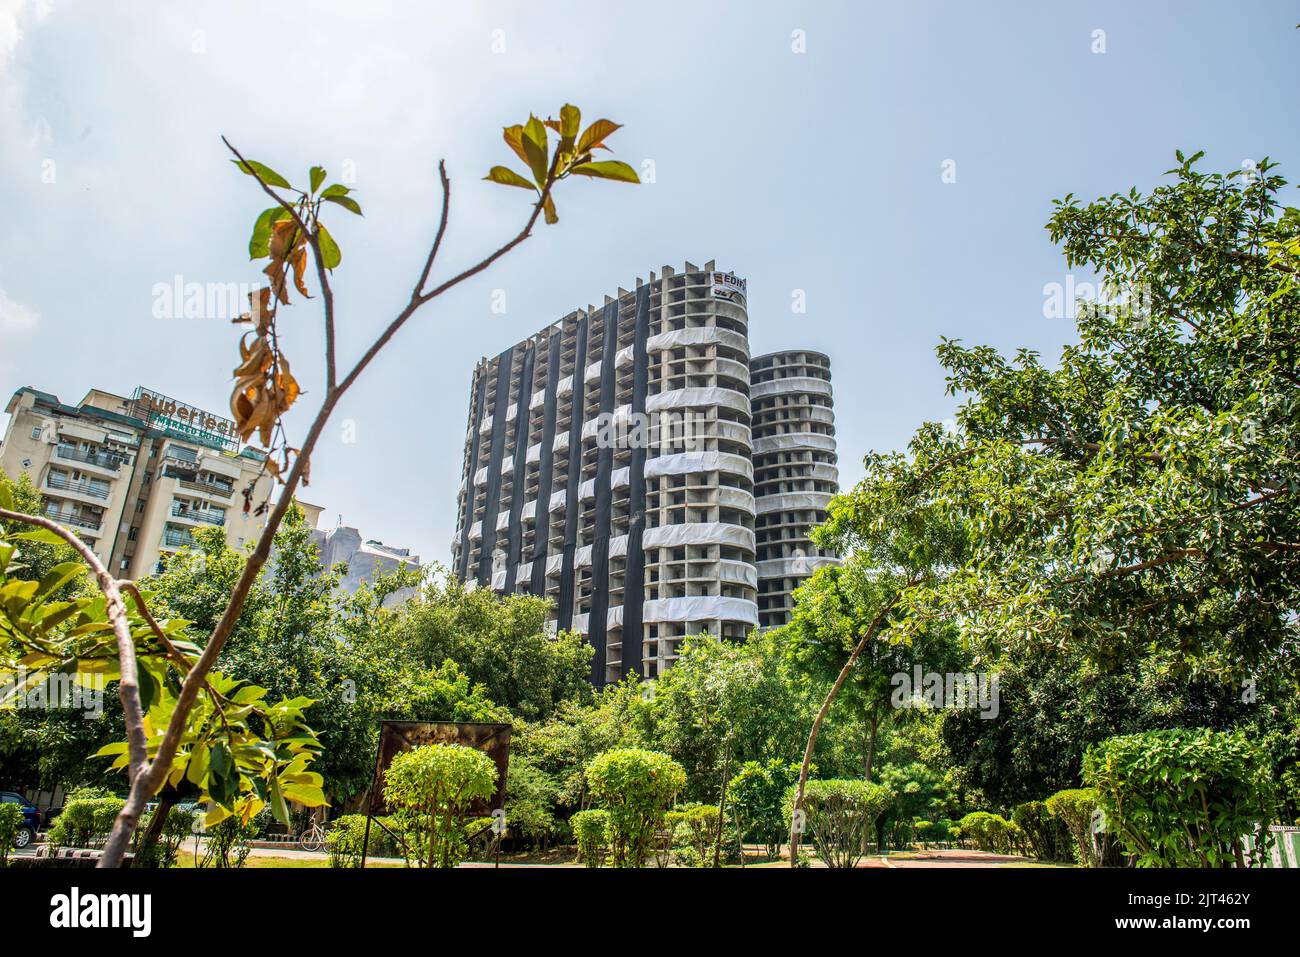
(366, 559)
(134, 477)
(609, 464)
(795, 474)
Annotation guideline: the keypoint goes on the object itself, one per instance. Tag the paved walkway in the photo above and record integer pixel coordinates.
(956, 857)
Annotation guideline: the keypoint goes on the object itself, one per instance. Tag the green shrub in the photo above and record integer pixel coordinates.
(178, 826)
(840, 814)
(1182, 797)
(346, 834)
(85, 822)
(696, 826)
(227, 842)
(756, 798)
(431, 790)
(991, 832)
(1046, 838)
(11, 818)
(637, 787)
(1075, 809)
(591, 831)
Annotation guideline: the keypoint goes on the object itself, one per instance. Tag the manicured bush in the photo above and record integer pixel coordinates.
(1075, 809)
(840, 814)
(85, 822)
(637, 787)
(11, 818)
(1182, 797)
(1045, 837)
(591, 831)
(694, 831)
(991, 832)
(431, 790)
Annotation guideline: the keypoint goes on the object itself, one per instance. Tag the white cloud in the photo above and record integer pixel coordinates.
(15, 317)
(13, 15)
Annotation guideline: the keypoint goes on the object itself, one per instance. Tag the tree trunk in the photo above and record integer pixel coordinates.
(149, 840)
(873, 726)
(722, 807)
(797, 807)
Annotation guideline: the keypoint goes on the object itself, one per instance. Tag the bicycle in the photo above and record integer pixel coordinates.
(313, 838)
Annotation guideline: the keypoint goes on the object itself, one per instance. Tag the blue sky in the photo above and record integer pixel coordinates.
(818, 171)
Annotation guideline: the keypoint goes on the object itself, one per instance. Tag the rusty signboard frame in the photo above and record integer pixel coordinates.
(396, 737)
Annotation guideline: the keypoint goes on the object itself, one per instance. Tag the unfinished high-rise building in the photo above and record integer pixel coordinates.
(620, 463)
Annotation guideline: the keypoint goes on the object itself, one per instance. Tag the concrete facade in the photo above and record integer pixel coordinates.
(609, 465)
(365, 560)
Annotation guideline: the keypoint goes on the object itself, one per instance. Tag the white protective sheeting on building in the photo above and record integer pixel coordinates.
(561, 441)
(737, 573)
(557, 500)
(792, 501)
(534, 453)
(593, 372)
(698, 533)
(529, 510)
(697, 336)
(760, 390)
(700, 608)
(794, 440)
(538, 399)
(476, 530)
(701, 397)
(794, 567)
(564, 386)
(683, 463)
(735, 498)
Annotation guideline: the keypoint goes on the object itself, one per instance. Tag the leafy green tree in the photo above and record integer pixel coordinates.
(637, 788)
(501, 642)
(832, 611)
(1138, 494)
(431, 790)
(758, 794)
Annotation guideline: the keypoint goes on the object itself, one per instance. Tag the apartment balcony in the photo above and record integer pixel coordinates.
(176, 538)
(60, 484)
(73, 520)
(197, 515)
(102, 460)
(208, 489)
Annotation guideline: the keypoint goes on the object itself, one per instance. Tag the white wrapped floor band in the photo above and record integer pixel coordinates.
(557, 500)
(792, 501)
(593, 371)
(737, 573)
(480, 476)
(794, 440)
(793, 567)
(623, 357)
(684, 463)
(701, 397)
(736, 498)
(486, 424)
(700, 608)
(512, 411)
(529, 510)
(697, 336)
(564, 386)
(698, 533)
(561, 441)
(824, 472)
(534, 453)
(802, 415)
(538, 399)
(503, 521)
(790, 384)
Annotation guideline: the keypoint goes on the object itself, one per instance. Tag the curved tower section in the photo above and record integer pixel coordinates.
(795, 474)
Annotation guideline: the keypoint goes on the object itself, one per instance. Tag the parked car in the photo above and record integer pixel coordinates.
(31, 817)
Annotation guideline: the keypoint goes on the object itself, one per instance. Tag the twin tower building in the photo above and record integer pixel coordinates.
(633, 463)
